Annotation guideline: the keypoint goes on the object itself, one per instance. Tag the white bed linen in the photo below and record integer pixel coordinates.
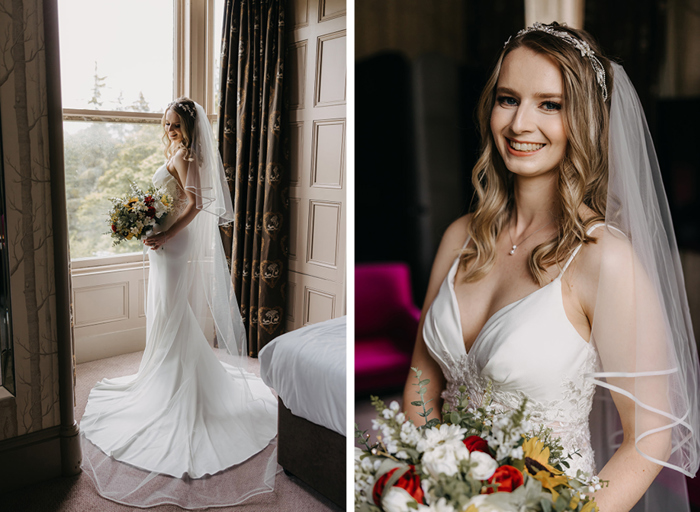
(307, 369)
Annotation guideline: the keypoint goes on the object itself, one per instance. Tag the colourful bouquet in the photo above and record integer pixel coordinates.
(135, 215)
(477, 460)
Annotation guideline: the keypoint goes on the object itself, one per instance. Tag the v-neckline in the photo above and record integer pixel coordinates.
(452, 275)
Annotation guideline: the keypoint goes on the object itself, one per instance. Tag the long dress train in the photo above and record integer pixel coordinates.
(184, 414)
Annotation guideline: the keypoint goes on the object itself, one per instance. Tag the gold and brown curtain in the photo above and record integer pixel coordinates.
(252, 132)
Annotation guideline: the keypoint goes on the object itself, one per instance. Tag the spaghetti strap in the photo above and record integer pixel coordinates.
(573, 255)
(466, 242)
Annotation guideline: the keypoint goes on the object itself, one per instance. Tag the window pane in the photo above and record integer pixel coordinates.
(116, 55)
(100, 160)
(219, 6)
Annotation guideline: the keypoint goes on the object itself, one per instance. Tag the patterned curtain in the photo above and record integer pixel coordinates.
(255, 156)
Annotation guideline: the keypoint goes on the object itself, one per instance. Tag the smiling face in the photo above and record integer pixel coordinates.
(172, 126)
(527, 119)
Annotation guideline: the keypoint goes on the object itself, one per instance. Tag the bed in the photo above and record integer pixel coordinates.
(306, 368)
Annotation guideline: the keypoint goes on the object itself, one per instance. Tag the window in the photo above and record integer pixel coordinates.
(121, 64)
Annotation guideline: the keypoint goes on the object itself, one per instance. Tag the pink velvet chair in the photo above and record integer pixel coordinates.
(386, 321)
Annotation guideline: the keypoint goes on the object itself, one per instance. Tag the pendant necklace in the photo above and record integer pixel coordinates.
(515, 246)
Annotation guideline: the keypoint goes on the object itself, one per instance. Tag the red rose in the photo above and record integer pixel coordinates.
(151, 212)
(477, 444)
(409, 481)
(114, 228)
(148, 200)
(508, 477)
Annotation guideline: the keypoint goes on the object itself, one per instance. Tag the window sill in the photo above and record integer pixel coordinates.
(86, 266)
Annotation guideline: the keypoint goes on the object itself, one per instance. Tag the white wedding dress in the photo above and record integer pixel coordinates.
(185, 413)
(526, 349)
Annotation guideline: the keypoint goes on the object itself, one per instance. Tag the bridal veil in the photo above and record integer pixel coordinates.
(641, 324)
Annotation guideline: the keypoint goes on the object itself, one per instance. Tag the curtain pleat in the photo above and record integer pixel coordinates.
(254, 149)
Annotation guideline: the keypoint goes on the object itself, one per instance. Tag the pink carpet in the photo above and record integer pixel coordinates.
(77, 494)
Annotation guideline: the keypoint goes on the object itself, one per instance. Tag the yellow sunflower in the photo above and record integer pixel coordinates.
(590, 507)
(536, 457)
(550, 481)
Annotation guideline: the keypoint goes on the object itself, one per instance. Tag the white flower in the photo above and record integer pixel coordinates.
(388, 414)
(409, 435)
(375, 424)
(517, 453)
(441, 435)
(440, 505)
(444, 458)
(400, 417)
(401, 455)
(396, 499)
(358, 454)
(394, 406)
(485, 466)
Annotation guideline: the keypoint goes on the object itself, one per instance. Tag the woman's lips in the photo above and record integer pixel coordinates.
(523, 148)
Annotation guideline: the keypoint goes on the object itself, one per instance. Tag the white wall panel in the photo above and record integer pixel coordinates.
(297, 62)
(330, 69)
(108, 304)
(101, 304)
(330, 9)
(318, 305)
(324, 229)
(299, 13)
(328, 154)
(296, 137)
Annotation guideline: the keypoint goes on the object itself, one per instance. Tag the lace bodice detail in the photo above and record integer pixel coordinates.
(528, 349)
(162, 179)
(567, 415)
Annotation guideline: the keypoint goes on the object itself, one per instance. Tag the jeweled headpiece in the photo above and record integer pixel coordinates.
(187, 108)
(577, 43)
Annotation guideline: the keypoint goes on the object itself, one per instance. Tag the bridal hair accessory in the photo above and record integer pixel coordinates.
(187, 108)
(577, 43)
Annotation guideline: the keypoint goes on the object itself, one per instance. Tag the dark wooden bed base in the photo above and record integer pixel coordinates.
(313, 454)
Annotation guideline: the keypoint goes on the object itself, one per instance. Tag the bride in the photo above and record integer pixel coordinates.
(169, 433)
(566, 276)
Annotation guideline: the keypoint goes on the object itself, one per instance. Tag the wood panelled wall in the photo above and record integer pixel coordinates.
(317, 47)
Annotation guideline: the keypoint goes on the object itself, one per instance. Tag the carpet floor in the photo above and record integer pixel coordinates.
(77, 494)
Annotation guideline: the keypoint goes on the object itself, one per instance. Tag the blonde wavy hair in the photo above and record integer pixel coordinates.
(186, 109)
(583, 172)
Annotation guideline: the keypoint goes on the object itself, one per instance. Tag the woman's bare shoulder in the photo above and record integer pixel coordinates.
(456, 233)
(452, 243)
(611, 248)
(611, 253)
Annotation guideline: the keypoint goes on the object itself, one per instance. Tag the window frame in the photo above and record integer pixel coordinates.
(194, 54)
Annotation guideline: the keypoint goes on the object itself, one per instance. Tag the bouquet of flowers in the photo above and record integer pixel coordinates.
(477, 460)
(135, 215)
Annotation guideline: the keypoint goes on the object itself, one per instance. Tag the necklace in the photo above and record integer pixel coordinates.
(515, 246)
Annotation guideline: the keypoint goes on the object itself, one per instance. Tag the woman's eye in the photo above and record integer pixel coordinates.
(551, 105)
(507, 100)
